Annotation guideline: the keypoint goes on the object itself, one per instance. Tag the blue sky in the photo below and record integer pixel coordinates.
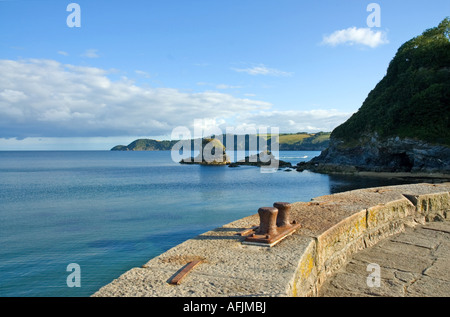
(141, 68)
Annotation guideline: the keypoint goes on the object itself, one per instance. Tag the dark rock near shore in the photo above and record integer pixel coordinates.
(394, 155)
(262, 159)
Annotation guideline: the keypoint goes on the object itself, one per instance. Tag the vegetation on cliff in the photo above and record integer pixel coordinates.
(413, 99)
(145, 145)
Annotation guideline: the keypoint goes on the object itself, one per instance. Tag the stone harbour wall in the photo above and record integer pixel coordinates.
(333, 227)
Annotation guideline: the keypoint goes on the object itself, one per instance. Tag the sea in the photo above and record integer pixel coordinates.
(97, 214)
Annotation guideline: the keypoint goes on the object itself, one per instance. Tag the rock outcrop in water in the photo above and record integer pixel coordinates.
(265, 158)
(213, 153)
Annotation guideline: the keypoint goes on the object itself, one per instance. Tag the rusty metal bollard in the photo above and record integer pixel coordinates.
(268, 221)
(284, 211)
(275, 225)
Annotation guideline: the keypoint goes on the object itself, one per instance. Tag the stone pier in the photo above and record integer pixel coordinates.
(335, 232)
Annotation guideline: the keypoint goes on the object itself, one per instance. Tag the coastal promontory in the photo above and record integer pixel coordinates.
(300, 141)
(404, 124)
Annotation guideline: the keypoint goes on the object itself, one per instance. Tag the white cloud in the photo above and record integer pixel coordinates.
(224, 86)
(63, 53)
(218, 86)
(295, 120)
(90, 53)
(262, 70)
(12, 95)
(354, 35)
(44, 98)
(142, 73)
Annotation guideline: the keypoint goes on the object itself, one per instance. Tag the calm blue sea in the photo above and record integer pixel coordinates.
(112, 211)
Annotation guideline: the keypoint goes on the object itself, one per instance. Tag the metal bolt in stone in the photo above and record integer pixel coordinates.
(268, 221)
(284, 211)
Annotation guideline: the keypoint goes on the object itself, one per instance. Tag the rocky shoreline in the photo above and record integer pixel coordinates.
(324, 168)
(318, 165)
(391, 156)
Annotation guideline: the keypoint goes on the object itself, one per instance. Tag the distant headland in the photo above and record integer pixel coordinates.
(301, 141)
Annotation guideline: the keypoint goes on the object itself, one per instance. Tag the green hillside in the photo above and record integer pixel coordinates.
(304, 141)
(413, 99)
(145, 145)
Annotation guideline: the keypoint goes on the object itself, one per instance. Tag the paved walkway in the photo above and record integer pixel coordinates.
(413, 263)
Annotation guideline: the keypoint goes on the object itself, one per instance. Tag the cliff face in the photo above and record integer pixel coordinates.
(389, 155)
(404, 124)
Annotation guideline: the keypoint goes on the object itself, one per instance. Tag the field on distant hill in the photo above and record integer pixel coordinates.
(301, 141)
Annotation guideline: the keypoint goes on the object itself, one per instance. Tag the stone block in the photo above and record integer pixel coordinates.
(433, 206)
(339, 242)
(380, 215)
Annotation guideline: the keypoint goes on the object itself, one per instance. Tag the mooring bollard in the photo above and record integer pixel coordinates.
(268, 221)
(284, 210)
(275, 225)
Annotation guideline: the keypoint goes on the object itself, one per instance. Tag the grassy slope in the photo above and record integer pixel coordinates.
(304, 141)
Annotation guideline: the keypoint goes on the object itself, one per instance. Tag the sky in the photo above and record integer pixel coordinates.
(104, 73)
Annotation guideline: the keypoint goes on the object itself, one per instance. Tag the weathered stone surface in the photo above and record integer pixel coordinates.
(229, 268)
(304, 282)
(434, 206)
(413, 263)
(429, 287)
